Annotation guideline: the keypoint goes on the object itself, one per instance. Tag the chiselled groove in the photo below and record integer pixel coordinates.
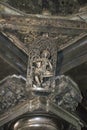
(29, 21)
(57, 30)
(58, 22)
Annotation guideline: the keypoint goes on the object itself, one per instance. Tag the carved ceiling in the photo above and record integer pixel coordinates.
(59, 24)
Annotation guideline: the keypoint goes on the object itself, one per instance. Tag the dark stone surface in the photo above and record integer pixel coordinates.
(56, 7)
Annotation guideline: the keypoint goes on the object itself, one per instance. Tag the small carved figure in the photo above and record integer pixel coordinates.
(38, 73)
(47, 66)
(42, 68)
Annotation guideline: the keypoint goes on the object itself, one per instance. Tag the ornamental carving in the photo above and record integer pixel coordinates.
(42, 63)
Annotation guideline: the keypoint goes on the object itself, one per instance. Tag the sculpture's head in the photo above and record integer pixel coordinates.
(45, 54)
